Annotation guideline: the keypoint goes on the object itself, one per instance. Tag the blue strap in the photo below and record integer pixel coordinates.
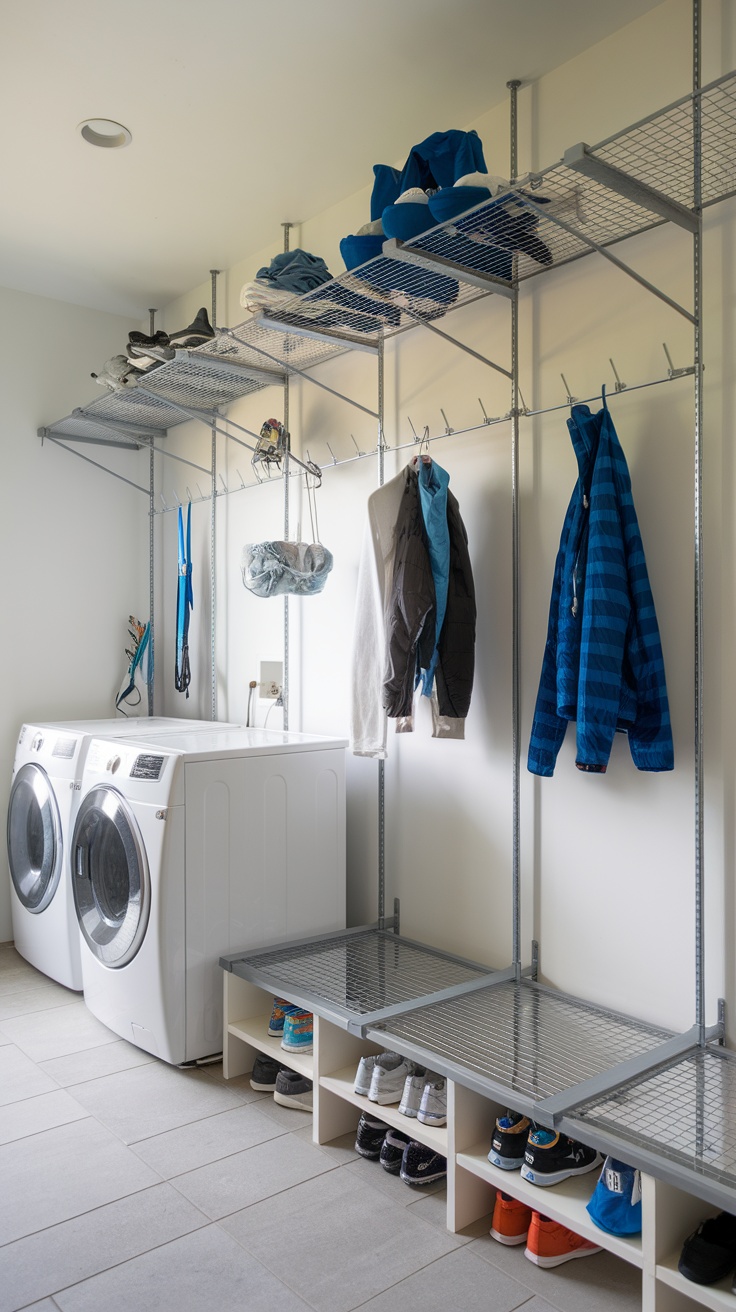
(184, 604)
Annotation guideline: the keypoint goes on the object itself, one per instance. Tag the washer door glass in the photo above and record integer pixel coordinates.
(112, 889)
(34, 838)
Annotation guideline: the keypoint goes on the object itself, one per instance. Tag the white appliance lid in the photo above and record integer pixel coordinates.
(232, 742)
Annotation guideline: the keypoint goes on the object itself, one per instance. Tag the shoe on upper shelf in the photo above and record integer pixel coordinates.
(263, 1075)
(433, 1107)
(298, 1031)
(278, 1014)
(392, 1151)
(411, 1098)
(369, 1136)
(422, 1165)
(551, 1157)
(511, 1220)
(551, 1244)
(366, 1067)
(116, 373)
(710, 1252)
(293, 1090)
(388, 1078)
(508, 1144)
(200, 330)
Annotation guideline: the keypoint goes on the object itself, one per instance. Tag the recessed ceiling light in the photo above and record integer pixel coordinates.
(105, 132)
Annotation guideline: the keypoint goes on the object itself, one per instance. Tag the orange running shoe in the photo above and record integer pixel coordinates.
(551, 1244)
(510, 1220)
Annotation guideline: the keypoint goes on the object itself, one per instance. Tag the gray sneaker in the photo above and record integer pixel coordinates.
(389, 1077)
(411, 1098)
(366, 1067)
(115, 373)
(293, 1090)
(433, 1107)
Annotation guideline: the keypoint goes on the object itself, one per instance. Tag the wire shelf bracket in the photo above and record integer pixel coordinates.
(434, 263)
(583, 160)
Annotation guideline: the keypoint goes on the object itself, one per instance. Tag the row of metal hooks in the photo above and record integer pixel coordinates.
(424, 438)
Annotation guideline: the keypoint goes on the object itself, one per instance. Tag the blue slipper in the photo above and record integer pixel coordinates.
(450, 202)
(406, 220)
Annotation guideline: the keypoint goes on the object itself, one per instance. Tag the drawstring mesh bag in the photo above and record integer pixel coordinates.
(270, 569)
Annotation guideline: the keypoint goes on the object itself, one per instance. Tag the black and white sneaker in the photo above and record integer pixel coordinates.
(293, 1090)
(370, 1136)
(508, 1144)
(263, 1075)
(550, 1158)
(392, 1151)
(199, 330)
(420, 1165)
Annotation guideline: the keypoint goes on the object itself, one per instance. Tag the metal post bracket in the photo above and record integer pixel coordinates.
(582, 160)
(396, 250)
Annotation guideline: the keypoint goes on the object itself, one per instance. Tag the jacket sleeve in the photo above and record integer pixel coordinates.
(456, 664)
(368, 718)
(410, 615)
(548, 728)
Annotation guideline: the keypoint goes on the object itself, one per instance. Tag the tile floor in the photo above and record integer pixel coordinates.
(129, 1186)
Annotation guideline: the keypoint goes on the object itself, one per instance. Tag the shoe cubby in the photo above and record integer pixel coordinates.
(246, 1013)
(677, 1216)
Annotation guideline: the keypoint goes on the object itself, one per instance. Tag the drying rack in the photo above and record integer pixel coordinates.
(601, 1076)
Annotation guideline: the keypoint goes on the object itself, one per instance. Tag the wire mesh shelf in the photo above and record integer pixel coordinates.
(518, 1043)
(356, 976)
(681, 1118)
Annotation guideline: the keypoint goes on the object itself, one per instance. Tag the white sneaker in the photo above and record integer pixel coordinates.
(366, 1067)
(433, 1108)
(411, 1098)
(387, 1080)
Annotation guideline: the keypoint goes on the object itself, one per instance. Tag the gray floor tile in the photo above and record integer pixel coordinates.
(432, 1208)
(239, 1085)
(373, 1174)
(46, 1305)
(247, 1177)
(289, 1118)
(601, 1283)
(346, 1243)
(93, 1063)
(205, 1272)
(38, 994)
(208, 1140)
(46, 1034)
(459, 1280)
(149, 1100)
(341, 1150)
(20, 1077)
(65, 1254)
(53, 1176)
(33, 1115)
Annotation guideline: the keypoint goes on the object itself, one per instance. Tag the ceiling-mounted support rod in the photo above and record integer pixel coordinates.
(396, 250)
(607, 255)
(580, 158)
(292, 369)
(151, 568)
(315, 334)
(152, 320)
(287, 455)
(381, 448)
(56, 441)
(454, 342)
(697, 146)
(513, 88)
(213, 281)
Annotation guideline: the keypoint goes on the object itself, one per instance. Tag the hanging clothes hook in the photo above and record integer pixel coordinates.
(189, 495)
(176, 498)
(524, 409)
(448, 431)
(413, 429)
(486, 420)
(570, 398)
(619, 387)
(332, 453)
(357, 448)
(163, 501)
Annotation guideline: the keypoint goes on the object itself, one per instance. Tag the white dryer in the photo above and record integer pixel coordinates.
(45, 790)
(193, 848)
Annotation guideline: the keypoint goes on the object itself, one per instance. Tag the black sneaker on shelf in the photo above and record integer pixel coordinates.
(370, 1136)
(550, 1158)
(392, 1151)
(710, 1253)
(508, 1144)
(144, 342)
(420, 1165)
(293, 1090)
(263, 1075)
(200, 330)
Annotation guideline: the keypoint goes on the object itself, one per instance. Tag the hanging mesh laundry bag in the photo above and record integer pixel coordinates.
(270, 569)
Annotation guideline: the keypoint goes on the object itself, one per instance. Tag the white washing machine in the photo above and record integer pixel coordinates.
(199, 846)
(45, 790)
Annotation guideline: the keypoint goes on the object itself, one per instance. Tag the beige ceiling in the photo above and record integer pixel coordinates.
(243, 113)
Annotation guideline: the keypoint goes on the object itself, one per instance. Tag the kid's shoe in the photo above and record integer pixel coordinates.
(370, 1136)
(293, 1090)
(508, 1144)
(392, 1151)
(550, 1158)
(278, 1012)
(420, 1165)
(433, 1107)
(366, 1066)
(389, 1077)
(710, 1253)
(551, 1244)
(263, 1075)
(511, 1220)
(411, 1098)
(298, 1031)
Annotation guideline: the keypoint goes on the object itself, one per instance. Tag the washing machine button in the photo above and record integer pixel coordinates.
(114, 765)
(37, 743)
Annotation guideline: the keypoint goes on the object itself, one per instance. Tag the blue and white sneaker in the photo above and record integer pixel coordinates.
(278, 1012)
(508, 1144)
(551, 1157)
(298, 1030)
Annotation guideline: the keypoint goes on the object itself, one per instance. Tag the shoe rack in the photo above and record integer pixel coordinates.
(669, 1214)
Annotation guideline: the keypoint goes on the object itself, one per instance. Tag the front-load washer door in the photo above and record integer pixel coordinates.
(110, 878)
(34, 838)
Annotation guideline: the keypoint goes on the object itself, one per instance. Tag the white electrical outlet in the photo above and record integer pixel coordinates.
(271, 680)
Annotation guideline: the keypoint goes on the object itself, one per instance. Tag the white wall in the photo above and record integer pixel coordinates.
(73, 541)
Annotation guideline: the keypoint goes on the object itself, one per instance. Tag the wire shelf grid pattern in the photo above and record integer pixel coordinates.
(523, 1037)
(200, 386)
(358, 973)
(685, 1112)
(254, 345)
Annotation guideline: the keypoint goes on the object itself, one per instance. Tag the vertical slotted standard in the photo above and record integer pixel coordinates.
(513, 87)
(381, 763)
(698, 542)
(285, 681)
(151, 567)
(213, 536)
